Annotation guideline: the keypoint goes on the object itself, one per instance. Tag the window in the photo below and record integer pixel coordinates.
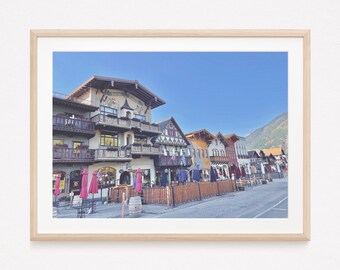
(198, 153)
(76, 144)
(106, 176)
(58, 142)
(222, 153)
(140, 117)
(108, 140)
(108, 110)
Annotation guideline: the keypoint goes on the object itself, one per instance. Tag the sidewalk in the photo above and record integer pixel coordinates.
(114, 210)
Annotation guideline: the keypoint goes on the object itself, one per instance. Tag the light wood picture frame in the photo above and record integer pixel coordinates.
(36, 134)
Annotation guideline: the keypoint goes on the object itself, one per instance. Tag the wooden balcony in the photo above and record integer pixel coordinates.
(82, 127)
(145, 150)
(124, 124)
(113, 154)
(168, 161)
(219, 159)
(72, 155)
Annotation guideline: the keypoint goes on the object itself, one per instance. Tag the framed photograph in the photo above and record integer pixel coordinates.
(170, 135)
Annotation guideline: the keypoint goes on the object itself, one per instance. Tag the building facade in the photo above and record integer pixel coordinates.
(175, 152)
(242, 154)
(200, 141)
(279, 155)
(121, 139)
(231, 154)
(72, 131)
(218, 156)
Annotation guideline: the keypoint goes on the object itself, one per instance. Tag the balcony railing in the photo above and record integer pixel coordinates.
(140, 149)
(65, 155)
(67, 124)
(168, 161)
(125, 123)
(113, 154)
(219, 159)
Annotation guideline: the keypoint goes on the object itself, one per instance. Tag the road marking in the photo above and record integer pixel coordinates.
(265, 211)
(280, 209)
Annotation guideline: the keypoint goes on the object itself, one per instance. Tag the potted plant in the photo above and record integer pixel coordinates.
(82, 146)
(60, 145)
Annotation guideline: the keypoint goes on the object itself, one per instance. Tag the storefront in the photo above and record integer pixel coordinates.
(62, 175)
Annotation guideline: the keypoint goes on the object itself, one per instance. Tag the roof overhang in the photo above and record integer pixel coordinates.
(222, 138)
(171, 119)
(132, 87)
(203, 134)
(74, 104)
(232, 137)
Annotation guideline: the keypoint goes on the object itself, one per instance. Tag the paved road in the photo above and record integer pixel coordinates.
(264, 201)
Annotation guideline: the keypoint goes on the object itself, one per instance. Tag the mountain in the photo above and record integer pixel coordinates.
(274, 134)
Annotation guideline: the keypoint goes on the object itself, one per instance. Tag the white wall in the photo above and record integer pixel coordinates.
(17, 17)
(220, 146)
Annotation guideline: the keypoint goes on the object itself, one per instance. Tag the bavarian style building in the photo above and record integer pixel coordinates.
(117, 119)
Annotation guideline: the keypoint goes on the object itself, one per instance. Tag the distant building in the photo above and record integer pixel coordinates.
(200, 140)
(254, 157)
(218, 156)
(174, 147)
(231, 154)
(278, 153)
(242, 154)
(268, 161)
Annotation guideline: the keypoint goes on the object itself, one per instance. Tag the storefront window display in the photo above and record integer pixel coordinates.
(75, 181)
(106, 177)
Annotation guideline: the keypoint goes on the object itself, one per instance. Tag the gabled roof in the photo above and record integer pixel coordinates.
(220, 136)
(203, 133)
(263, 154)
(253, 154)
(274, 151)
(133, 87)
(232, 137)
(164, 123)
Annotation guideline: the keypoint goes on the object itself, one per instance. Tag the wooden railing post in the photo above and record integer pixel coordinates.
(123, 205)
(199, 191)
(168, 195)
(173, 196)
(218, 190)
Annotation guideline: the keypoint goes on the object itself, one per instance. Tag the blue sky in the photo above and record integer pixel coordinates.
(231, 92)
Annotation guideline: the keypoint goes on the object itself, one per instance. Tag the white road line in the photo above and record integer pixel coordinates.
(280, 209)
(265, 211)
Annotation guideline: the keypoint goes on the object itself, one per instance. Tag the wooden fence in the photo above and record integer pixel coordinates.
(174, 195)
